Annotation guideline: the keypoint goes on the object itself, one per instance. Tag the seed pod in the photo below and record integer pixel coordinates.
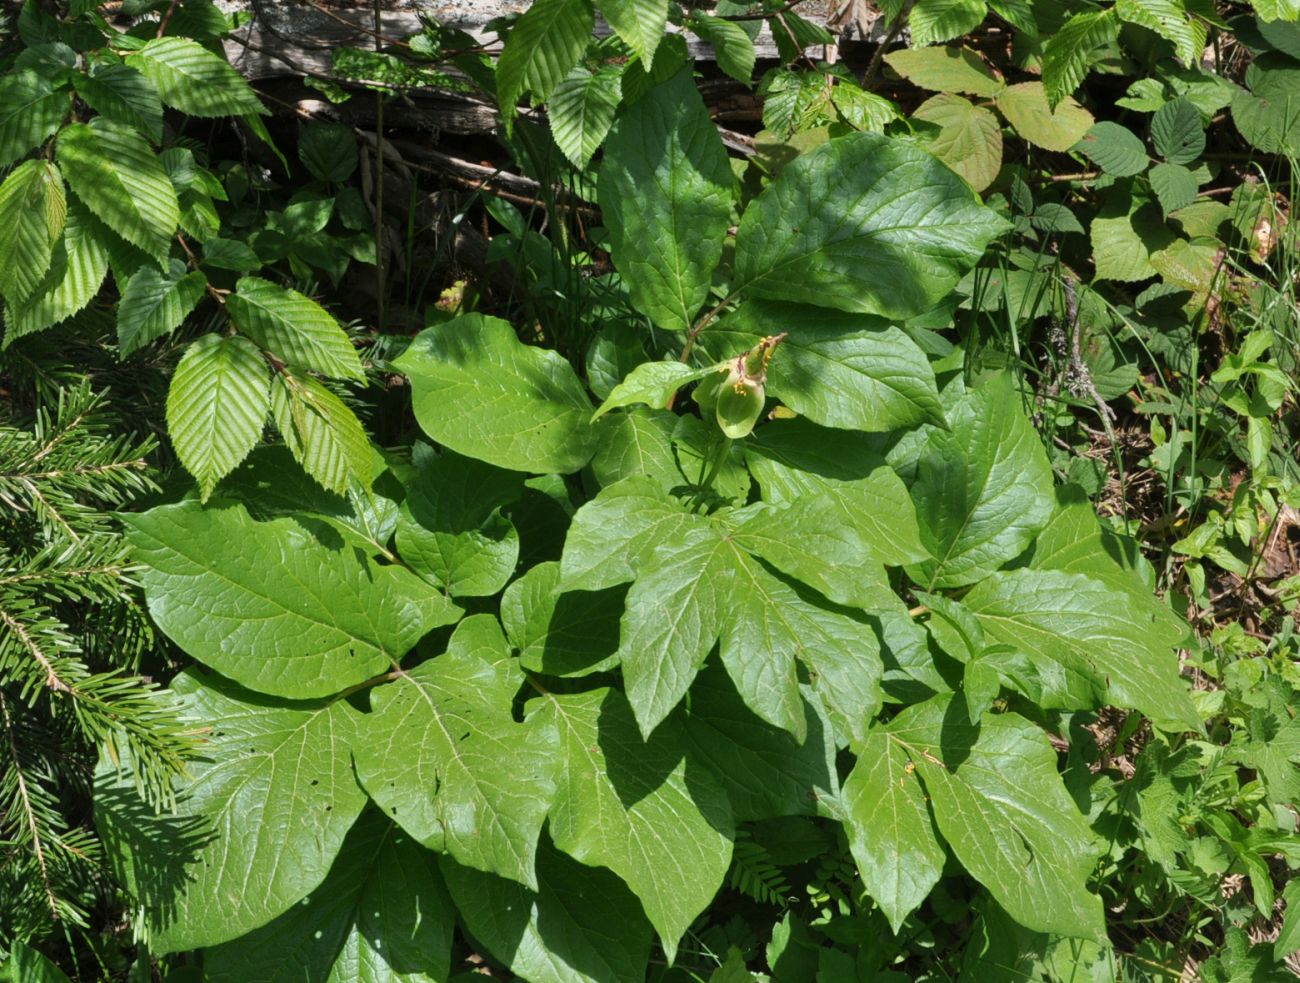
(740, 404)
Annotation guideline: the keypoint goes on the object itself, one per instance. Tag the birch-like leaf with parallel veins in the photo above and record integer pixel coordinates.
(272, 608)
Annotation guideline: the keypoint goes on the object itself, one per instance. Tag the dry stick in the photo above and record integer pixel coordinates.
(895, 29)
(1078, 378)
(765, 14)
(162, 24)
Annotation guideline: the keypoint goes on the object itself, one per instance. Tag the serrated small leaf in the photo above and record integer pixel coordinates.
(934, 21)
(329, 151)
(122, 94)
(969, 138)
(154, 304)
(118, 177)
(1175, 186)
(323, 434)
(445, 758)
(311, 622)
(192, 79)
(30, 112)
(665, 193)
(908, 230)
(581, 111)
(1115, 149)
(269, 802)
(891, 834)
(293, 327)
(1055, 128)
(216, 406)
(483, 393)
(668, 836)
(451, 530)
(945, 70)
(639, 23)
(33, 210)
(541, 49)
(1172, 21)
(732, 46)
(78, 268)
(651, 383)
(1177, 132)
(1070, 52)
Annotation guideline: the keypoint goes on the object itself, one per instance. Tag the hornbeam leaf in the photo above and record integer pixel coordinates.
(123, 95)
(640, 23)
(30, 112)
(294, 327)
(192, 79)
(216, 404)
(78, 268)
(1090, 643)
(582, 110)
(838, 369)
(33, 210)
(891, 834)
(270, 607)
(647, 811)
(1071, 51)
(542, 47)
(1000, 804)
(582, 925)
(270, 802)
(905, 232)
(154, 304)
(445, 758)
(381, 916)
(325, 436)
(112, 169)
(983, 489)
(483, 393)
(665, 194)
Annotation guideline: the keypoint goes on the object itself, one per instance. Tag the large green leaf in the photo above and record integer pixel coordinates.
(272, 608)
(932, 21)
(294, 327)
(838, 369)
(891, 834)
(541, 49)
(123, 95)
(1000, 804)
(1070, 52)
(192, 79)
(451, 529)
(381, 916)
(945, 70)
(1053, 127)
(983, 488)
(78, 268)
(154, 304)
(1269, 115)
(1089, 643)
(255, 831)
(324, 435)
(863, 223)
(561, 634)
(651, 383)
(1172, 21)
(647, 811)
(114, 172)
(33, 210)
(764, 770)
(582, 110)
(640, 23)
(483, 393)
(216, 405)
(444, 756)
(969, 139)
(30, 112)
(665, 194)
(582, 925)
